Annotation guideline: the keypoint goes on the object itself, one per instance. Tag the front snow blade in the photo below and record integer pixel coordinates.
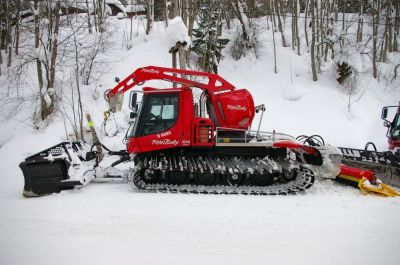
(47, 172)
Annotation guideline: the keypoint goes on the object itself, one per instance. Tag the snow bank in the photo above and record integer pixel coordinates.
(293, 93)
(177, 32)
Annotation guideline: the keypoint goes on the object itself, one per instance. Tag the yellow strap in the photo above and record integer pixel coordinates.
(380, 190)
(90, 124)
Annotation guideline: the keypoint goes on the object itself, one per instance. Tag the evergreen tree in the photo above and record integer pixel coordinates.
(206, 42)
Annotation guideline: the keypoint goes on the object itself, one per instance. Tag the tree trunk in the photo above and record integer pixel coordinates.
(56, 14)
(313, 64)
(43, 104)
(37, 47)
(293, 9)
(17, 18)
(95, 18)
(297, 26)
(174, 9)
(227, 18)
(273, 42)
(99, 9)
(375, 20)
(78, 88)
(239, 14)
(185, 11)
(150, 13)
(182, 58)
(396, 27)
(166, 12)
(343, 14)
(321, 34)
(88, 17)
(305, 22)
(329, 26)
(192, 16)
(9, 34)
(174, 84)
(4, 24)
(389, 40)
(360, 22)
(280, 28)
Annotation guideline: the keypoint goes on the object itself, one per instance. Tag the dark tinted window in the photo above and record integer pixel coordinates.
(396, 127)
(159, 113)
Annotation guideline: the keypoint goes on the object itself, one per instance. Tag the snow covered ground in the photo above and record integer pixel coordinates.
(114, 223)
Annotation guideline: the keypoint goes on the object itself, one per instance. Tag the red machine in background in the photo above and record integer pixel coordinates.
(367, 163)
(393, 132)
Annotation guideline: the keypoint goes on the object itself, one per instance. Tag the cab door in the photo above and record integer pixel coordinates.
(159, 123)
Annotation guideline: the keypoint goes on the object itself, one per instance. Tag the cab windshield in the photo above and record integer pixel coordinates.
(158, 113)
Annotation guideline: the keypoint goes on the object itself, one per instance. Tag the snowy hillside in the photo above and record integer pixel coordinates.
(115, 223)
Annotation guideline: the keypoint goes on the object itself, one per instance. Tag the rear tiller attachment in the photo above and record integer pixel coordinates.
(47, 172)
(65, 166)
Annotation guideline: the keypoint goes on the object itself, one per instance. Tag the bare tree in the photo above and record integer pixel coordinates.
(396, 27)
(174, 9)
(387, 34)
(46, 46)
(295, 26)
(313, 26)
(95, 19)
(375, 22)
(17, 21)
(277, 13)
(306, 11)
(150, 15)
(238, 10)
(55, 18)
(101, 15)
(274, 44)
(192, 14)
(88, 17)
(360, 22)
(36, 11)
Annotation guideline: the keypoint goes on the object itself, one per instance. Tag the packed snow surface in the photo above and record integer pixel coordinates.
(114, 223)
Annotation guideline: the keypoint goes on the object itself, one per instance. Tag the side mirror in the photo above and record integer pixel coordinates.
(133, 101)
(386, 124)
(384, 112)
(132, 117)
(117, 79)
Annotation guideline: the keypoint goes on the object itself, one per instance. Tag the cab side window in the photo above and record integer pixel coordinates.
(396, 127)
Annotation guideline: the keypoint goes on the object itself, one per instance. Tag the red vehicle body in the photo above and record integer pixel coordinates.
(179, 143)
(393, 132)
(228, 107)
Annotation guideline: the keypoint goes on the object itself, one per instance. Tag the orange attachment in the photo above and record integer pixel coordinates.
(355, 175)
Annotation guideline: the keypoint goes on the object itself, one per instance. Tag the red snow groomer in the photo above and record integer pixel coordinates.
(181, 144)
(367, 164)
(385, 165)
